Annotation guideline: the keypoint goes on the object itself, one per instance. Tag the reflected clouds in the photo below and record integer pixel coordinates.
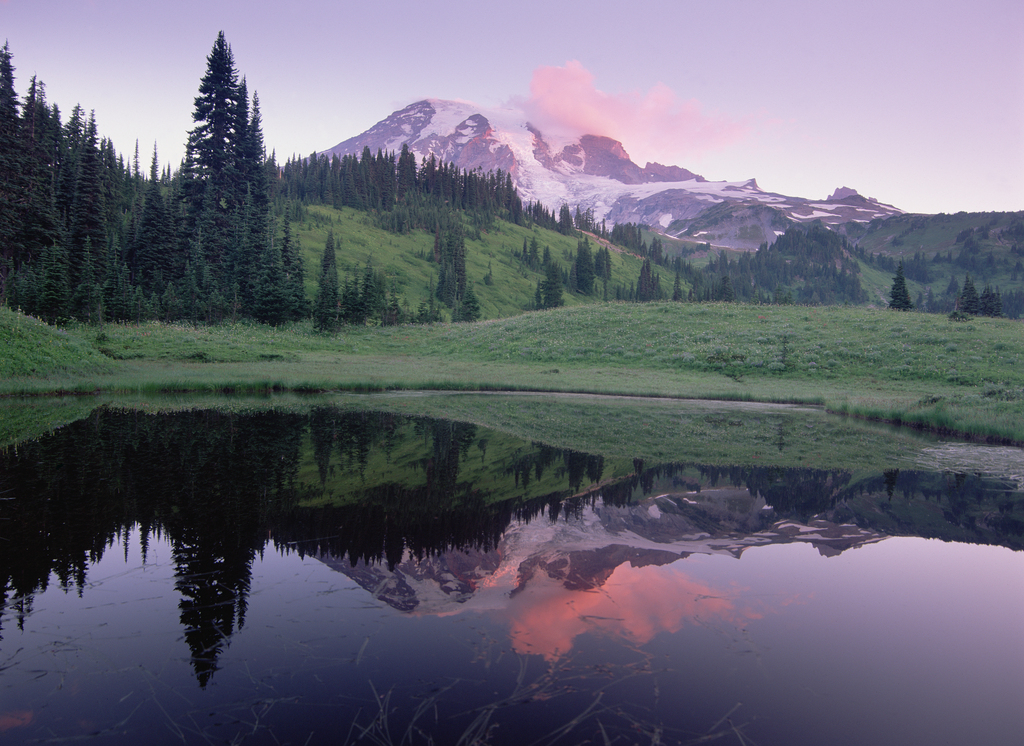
(635, 604)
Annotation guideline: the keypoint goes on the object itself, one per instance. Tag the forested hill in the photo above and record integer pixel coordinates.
(230, 234)
(813, 266)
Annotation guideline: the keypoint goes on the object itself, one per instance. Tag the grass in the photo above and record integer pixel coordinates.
(965, 378)
(31, 348)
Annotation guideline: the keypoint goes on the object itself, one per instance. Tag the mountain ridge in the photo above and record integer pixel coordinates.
(595, 173)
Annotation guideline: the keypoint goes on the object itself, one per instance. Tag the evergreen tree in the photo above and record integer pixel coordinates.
(648, 286)
(451, 280)
(565, 222)
(116, 289)
(990, 302)
(325, 308)
(551, 291)
(406, 173)
(151, 253)
(273, 302)
(899, 295)
(584, 265)
(224, 178)
(54, 289)
(677, 289)
(212, 142)
(393, 309)
(294, 274)
(41, 133)
(969, 302)
(373, 295)
(87, 208)
(12, 173)
(86, 297)
(724, 291)
(469, 309)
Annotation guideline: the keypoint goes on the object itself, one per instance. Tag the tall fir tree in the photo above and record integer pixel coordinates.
(899, 295)
(677, 289)
(969, 302)
(12, 173)
(469, 308)
(150, 257)
(406, 172)
(724, 292)
(225, 186)
(295, 279)
(585, 271)
(41, 133)
(325, 308)
(551, 291)
(991, 304)
(87, 210)
(272, 302)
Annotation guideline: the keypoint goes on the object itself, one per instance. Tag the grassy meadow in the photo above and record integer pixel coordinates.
(965, 378)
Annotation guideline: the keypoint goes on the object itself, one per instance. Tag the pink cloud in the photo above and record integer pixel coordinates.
(15, 718)
(634, 604)
(656, 125)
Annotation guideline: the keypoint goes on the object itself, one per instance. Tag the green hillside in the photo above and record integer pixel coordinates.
(936, 249)
(407, 260)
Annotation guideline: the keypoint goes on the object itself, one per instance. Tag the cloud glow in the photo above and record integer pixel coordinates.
(653, 126)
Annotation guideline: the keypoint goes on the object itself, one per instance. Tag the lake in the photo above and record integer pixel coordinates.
(523, 570)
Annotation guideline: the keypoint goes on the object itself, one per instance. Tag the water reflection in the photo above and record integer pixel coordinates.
(439, 521)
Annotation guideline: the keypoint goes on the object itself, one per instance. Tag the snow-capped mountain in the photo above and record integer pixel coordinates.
(596, 173)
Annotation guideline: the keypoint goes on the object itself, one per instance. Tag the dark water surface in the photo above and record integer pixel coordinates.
(329, 576)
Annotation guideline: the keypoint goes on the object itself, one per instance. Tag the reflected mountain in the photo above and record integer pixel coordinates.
(591, 540)
(428, 515)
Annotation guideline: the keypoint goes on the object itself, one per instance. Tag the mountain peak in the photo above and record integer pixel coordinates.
(842, 193)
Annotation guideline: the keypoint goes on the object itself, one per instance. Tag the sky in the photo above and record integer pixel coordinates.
(916, 103)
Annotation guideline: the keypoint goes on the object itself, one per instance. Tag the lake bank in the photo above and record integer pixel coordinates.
(965, 379)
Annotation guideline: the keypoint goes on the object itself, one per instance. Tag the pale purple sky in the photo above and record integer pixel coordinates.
(917, 103)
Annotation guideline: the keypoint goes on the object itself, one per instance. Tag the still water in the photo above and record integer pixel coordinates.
(323, 575)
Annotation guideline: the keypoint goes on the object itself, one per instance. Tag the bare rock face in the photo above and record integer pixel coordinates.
(657, 172)
(596, 155)
(607, 157)
(483, 152)
(842, 193)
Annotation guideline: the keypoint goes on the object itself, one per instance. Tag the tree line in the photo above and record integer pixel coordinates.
(85, 235)
(90, 237)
